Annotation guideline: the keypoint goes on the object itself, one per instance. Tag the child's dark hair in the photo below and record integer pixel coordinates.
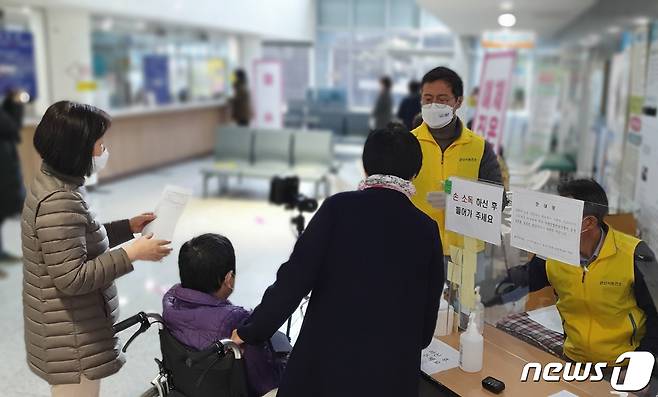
(204, 262)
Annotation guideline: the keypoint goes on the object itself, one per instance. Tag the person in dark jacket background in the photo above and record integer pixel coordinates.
(198, 313)
(383, 110)
(241, 103)
(373, 264)
(410, 105)
(11, 179)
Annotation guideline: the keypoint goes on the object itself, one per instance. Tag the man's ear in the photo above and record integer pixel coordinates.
(460, 101)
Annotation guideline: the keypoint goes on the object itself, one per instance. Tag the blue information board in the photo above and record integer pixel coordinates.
(156, 77)
(17, 67)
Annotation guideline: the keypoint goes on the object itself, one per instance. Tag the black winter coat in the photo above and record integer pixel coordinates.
(12, 190)
(373, 264)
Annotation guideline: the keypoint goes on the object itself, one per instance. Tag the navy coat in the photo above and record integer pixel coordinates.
(373, 264)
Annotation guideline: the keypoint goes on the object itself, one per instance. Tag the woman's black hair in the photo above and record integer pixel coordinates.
(66, 136)
(589, 191)
(204, 262)
(386, 82)
(240, 76)
(392, 151)
(446, 75)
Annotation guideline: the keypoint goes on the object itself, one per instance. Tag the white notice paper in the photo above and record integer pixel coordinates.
(563, 393)
(438, 357)
(474, 209)
(547, 225)
(167, 212)
(548, 317)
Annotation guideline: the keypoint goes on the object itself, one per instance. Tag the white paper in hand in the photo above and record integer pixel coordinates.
(167, 212)
(437, 357)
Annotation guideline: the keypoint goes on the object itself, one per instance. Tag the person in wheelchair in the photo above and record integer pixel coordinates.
(197, 311)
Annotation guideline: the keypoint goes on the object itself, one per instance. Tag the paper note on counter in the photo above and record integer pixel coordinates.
(437, 357)
(168, 211)
(548, 317)
(563, 393)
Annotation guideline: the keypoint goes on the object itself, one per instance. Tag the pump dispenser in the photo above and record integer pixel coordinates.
(479, 310)
(471, 347)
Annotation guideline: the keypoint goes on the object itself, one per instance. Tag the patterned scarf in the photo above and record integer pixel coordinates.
(389, 182)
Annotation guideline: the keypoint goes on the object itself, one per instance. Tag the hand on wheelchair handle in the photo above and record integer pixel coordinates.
(236, 338)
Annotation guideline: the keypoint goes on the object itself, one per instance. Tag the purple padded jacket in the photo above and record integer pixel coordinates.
(197, 319)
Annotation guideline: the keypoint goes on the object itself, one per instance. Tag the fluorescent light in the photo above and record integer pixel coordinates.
(107, 24)
(614, 29)
(641, 21)
(507, 20)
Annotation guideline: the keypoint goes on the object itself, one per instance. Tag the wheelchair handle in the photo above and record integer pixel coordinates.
(219, 347)
(129, 322)
(235, 348)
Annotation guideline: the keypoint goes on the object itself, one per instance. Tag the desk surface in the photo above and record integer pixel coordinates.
(504, 359)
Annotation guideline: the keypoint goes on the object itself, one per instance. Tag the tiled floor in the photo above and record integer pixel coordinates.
(260, 232)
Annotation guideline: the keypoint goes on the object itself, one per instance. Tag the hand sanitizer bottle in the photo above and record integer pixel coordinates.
(471, 347)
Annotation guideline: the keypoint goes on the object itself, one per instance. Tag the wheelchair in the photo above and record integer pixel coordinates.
(217, 370)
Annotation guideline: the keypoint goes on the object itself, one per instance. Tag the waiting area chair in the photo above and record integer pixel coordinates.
(265, 153)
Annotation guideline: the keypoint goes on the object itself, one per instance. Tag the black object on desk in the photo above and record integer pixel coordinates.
(493, 385)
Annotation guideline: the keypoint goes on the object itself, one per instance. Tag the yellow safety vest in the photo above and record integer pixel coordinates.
(599, 313)
(462, 158)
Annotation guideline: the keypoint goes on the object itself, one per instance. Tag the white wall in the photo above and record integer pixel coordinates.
(273, 19)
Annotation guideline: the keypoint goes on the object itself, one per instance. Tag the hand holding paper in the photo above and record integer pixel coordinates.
(138, 223)
(168, 211)
(148, 249)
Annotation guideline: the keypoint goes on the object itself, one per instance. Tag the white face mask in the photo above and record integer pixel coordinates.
(99, 162)
(437, 115)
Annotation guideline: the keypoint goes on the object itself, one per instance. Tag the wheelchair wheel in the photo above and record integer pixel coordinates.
(152, 392)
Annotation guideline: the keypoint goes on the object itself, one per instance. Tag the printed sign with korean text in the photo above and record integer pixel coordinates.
(474, 209)
(547, 225)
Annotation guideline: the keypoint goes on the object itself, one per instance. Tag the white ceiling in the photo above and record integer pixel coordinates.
(472, 17)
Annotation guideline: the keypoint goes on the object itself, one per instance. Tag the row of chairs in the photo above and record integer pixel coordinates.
(246, 152)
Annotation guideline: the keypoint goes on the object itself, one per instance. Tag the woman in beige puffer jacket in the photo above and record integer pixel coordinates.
(69, 298)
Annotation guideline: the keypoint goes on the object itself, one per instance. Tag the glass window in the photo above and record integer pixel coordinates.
(333, 13)
(136, 63)
(370, 13)
(403, 14)
(384, 39)
(295, 65)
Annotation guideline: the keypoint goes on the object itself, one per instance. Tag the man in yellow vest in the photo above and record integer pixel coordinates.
(608, 303)
(449, 148)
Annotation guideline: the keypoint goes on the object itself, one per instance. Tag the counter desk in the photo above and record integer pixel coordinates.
(504, 359)
(144, 138)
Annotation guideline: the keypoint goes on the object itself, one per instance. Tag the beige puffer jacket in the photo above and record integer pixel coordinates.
(69, 298)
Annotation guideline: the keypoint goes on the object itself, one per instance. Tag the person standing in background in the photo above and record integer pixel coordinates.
(241, 103)
(383, 111)
(11, 179)
(472, 107)
(410, 105)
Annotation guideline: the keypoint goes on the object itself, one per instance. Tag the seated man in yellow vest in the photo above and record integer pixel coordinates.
(449, 148)
(608, 304)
